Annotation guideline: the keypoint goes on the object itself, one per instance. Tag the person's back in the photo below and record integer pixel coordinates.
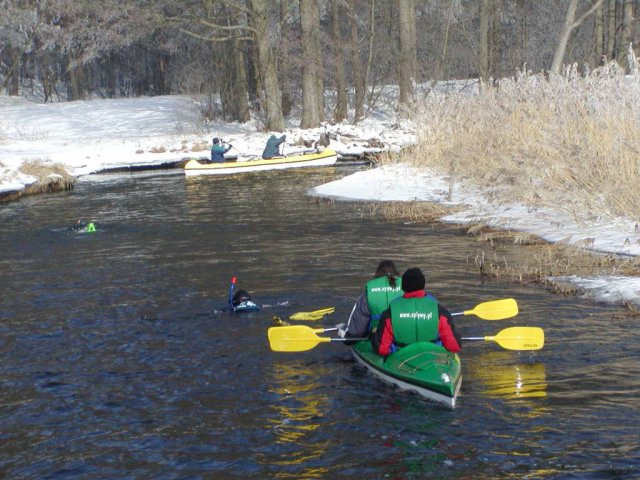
(415, 317)
(272, 149)
(379, 291)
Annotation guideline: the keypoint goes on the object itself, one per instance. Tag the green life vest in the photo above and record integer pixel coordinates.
(414, 320)
(380, 293)
(91, 227)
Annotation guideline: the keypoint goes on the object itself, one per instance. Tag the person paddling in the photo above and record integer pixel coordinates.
(384, 287)
(415, 317)
(218, 150)
(272, 148)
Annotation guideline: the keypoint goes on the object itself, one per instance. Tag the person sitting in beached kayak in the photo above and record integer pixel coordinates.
(272, 149)
(218, 150)
(384, 287)
(415, 317)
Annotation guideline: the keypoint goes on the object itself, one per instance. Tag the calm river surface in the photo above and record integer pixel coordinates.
(116, 361)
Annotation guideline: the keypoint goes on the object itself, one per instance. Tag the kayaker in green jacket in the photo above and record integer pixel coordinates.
(218, 150)
(415, 317)
(384, 287)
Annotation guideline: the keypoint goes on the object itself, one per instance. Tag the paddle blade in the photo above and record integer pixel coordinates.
(520, 338)
(312, 316)
(495, 310)
(294, 338)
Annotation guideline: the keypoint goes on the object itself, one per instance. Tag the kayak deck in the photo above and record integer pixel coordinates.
(310, 159)
(422, 367)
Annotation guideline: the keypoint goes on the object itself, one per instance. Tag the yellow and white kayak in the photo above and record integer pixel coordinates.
(304, 159)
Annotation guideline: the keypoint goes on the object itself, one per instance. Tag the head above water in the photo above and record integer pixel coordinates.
(413, 280)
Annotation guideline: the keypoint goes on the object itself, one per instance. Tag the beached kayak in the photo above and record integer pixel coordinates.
(422, 367)
(304, 159)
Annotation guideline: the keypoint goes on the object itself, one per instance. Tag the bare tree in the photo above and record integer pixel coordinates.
(483, 48)
(407, 68)
(570, 24)
(598, 36)
(611, 15)
(626, 38)
(341, 80)
(312, 85)
(267, 66)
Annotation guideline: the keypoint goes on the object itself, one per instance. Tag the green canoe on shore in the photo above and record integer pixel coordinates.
(423, 367)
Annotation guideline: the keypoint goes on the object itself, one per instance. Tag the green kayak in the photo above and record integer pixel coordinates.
(422, 367)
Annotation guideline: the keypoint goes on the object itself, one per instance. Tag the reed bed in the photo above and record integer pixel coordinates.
(569, 142)
(50, 177)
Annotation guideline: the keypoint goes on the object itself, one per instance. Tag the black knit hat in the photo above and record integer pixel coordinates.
(413, 280)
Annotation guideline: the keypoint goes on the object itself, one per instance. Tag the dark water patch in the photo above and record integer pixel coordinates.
(119, 361)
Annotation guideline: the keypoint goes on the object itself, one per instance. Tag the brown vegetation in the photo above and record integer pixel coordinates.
(568, 143)
(49, 178)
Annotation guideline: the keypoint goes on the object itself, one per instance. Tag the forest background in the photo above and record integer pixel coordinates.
(327, 60)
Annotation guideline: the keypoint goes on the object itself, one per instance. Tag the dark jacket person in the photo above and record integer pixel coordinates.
(415, 317)
(378, 293)
(272, 149)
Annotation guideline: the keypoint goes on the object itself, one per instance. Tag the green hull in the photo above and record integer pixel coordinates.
(422, 367)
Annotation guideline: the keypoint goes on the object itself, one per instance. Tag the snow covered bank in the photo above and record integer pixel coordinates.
(402, 183)
(89, 136)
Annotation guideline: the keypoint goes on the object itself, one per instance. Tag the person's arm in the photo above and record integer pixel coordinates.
(449, 336)
(358, 323)
(382, 339)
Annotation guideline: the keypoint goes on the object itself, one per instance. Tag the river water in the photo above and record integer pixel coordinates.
(117, 360)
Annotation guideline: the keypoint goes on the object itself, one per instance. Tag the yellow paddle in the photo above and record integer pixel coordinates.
(516, 338)
(494, 310)
(300, 338)
(312, 316)
(297, 338)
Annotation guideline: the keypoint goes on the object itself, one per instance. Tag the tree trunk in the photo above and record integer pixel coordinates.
(75, 87)
(483, 48)
(241, 89)
(625, 34)
(285, 69)
(341, 82)
(267, 68)
(570, 23)
(312, 114)
(522, 38)
(356, 66)
(598, 37)
(407, 67)
(611, 44)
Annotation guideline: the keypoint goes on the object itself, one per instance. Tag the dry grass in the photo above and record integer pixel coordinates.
(50, 177)
(569, 142)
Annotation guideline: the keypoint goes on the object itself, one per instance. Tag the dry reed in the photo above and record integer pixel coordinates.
(50, 177)
(568, 142)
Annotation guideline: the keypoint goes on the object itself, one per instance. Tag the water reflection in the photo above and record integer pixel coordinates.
(299, 410)
(508, 381)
